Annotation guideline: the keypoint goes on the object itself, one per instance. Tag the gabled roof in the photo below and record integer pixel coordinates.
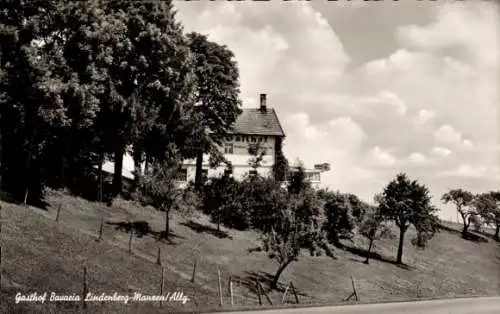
(258, 122)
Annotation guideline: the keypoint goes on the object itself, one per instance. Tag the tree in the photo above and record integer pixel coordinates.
(488, 206)
(32, 83)
(281, 165)
(288, 235)
(462, 200)
(374, 228)
(297, 180)
(217, 96)
(257, 153)
(161, 190)
(221, 202)
(407, 203)
(342, 212)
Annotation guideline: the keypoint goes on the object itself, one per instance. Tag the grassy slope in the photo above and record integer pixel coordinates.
(40, 254)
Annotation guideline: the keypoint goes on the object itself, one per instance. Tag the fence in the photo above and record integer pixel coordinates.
(231, 290)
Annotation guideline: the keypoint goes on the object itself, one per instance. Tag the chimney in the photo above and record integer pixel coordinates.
(263, 106)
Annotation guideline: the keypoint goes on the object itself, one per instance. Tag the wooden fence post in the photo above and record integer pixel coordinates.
(221, 302)
(0, 268)
(354, 292)
(85, 288)
(162, 284)
(257, 288)
(101, 229)
(231, 290)
(284, 295)
(264, 293)
(130, 241)
(294, 292)
(26, 198)
(158, 258)
(58, 212)
(194, 271)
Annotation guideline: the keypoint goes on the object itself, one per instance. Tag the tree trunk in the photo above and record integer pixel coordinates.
(138, 158)
(497, 232)
(218, 221)
(274, 283)
(27, 175)
(167, 222)
(466, 223)
(117, 175)
(399, 258)
(367, 261)
(99, 170)
(199, 166)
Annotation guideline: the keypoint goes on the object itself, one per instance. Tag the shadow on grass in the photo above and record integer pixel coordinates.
(142, 228)
(473, 236)
(40, 204)
(374, 256)
(200, 228)
(250, 279)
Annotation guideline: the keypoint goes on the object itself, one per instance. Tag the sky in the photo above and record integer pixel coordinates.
(373, 88)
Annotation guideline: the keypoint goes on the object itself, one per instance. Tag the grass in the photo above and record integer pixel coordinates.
(39, 254)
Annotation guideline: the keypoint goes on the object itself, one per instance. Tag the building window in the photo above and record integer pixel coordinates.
(254, 139)
(252, 172)
(228, 148)
(182, 175)
(265, 139)
(238, 139)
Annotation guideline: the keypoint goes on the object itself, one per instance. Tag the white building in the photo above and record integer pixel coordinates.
(255, 126)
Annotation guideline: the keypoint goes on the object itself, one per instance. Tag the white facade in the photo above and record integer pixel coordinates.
(236, 151)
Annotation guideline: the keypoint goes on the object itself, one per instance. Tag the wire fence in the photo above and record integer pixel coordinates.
(186, 261)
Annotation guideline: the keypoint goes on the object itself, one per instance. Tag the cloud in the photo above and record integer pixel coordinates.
(299, 122)
(417, 158)
(425, 116)
(474, 41)
(447, 134)
(466, 170)
(441, 151)
(384, 157)
(408, 106)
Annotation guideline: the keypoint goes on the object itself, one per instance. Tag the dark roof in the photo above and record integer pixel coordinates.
(257, 122)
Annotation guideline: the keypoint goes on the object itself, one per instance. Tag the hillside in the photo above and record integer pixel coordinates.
(39, 254)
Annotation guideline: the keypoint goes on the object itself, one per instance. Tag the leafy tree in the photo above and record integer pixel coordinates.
(288, 234)
(262, 198)
(488, 207)
(462, 200)
(297, 180)
(407, 203)
(161, 190)
(255, 150)
(32, 82)
(281, 166)
(342, 212)
(221, 202)
(374, 228)
(217, 97)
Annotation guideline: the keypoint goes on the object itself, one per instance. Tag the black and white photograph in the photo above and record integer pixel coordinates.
(250, 156)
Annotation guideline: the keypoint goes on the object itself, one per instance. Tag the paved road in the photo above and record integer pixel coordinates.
(487, 305)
